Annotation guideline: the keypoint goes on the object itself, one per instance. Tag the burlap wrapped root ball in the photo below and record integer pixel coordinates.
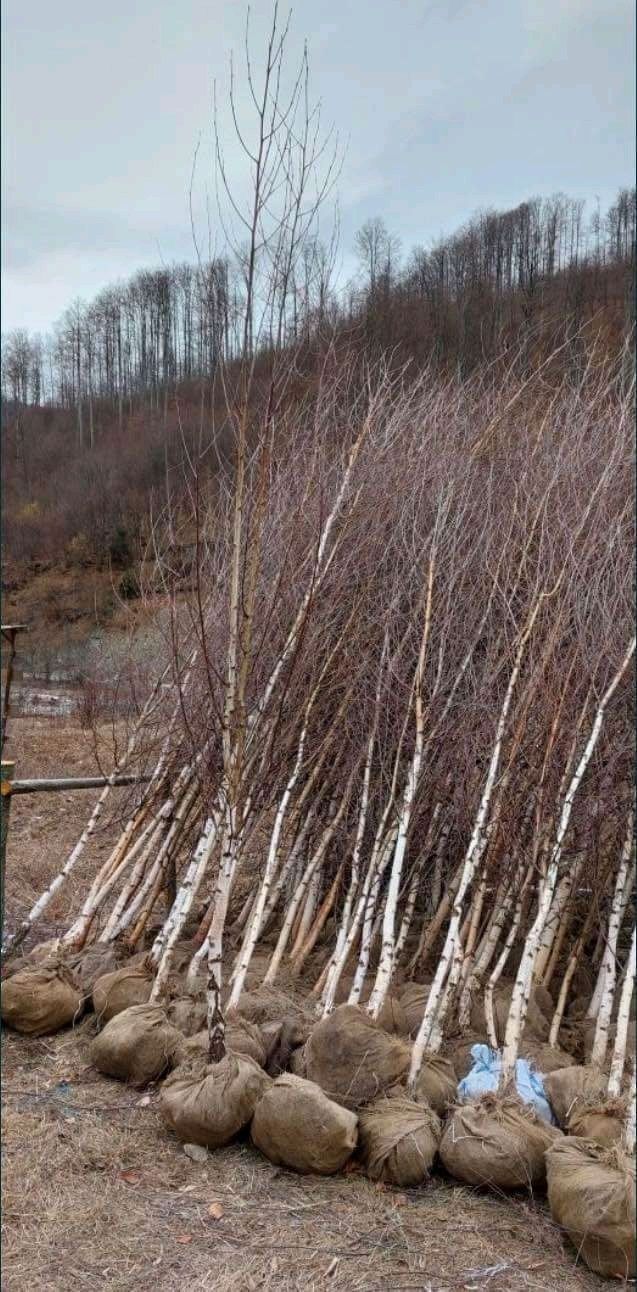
(392, 1017)
(352, 1058)
(413, 998)
(496, 1142)
(297, 1126)
(282, 1040)
(91, 964)
(591, 1194)
(42, 953)
(117, 991)
(544, 1058)
(137, 1045)
(437, 1083)
(268, 1005)
(210, 1103)
(458, 1050)
(242, 1037)
(399, 1139)
(569, 1088)
(537, 1024)
(599, 1120)
(188, 1013)
(297, 1062)
(40, 999)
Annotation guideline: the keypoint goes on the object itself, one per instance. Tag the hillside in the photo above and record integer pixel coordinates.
(99, 419)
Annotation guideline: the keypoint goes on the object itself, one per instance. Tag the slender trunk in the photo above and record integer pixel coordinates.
(524, 979)
(473, 856)
(623, 1022)
(256, 920)
(573, 962)
(319, 923)
(312, 867)
(368, 922)
(162, 950)
(600, 1042)
(387, 955)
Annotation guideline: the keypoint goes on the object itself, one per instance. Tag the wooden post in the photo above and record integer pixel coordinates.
(10, 631)
(5, 806)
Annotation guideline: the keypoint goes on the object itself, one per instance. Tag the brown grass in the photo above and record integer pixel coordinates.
(98, 1194)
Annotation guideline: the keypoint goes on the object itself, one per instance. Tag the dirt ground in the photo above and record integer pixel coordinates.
(96, 1192)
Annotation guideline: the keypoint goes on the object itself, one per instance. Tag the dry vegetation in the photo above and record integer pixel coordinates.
(97, 1192)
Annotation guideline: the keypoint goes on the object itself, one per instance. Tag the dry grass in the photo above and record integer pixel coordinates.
(98, 1194)
(44, 827)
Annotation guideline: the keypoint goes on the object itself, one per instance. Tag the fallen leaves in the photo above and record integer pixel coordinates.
(183, 1238)
(215, 1211)
(130, 1177)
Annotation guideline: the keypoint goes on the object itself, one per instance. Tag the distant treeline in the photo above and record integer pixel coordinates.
(100, 389)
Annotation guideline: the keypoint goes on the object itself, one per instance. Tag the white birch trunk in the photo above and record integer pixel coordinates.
(387, 955)
(254, 927)
(163, 947)
(309, 907)
(593, 1007)
(313, 865)
(524, 979)
(600, 1042)
(368, 922)
(474, 854)
(623, 1023)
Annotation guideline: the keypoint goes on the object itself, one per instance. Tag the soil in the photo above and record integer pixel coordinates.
(96, 1192)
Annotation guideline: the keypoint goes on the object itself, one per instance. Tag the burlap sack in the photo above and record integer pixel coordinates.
(591, 1194)
(92, 963)
(281, 1040)
(268, 1005)
(188, 1013)
(569, 1088)
(399, 1139)
(41, 999)
(413, 998)
(545, 1058)
(242, 1037)
(352, 1058)
(44, 952)
(437, 1083)
(297, 1062)
(497, 1142)
(296, 1125)
(210, 1103)
(346, 982)
(602, 1122)
(114, 992)
(458, 1050)
(536, 1023)
(137, 1045)
(392, 1018)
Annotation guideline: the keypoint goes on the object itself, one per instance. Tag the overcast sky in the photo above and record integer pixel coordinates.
(446, 106)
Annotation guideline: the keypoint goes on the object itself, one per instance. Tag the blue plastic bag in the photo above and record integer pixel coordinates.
(485, 1076)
